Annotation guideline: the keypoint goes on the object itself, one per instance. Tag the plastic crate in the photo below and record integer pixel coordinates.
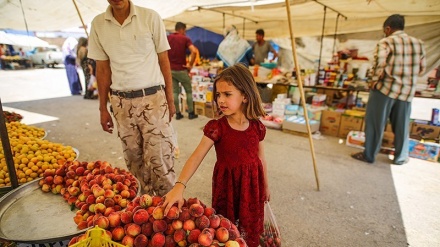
(95, 239)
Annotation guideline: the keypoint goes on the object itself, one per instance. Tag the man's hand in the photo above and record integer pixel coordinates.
(172, 110)
(106, 121)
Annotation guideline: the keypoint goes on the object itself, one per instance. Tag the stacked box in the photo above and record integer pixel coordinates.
(424, 150)
(330, 121)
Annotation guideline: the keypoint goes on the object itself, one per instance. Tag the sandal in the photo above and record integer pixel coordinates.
(360, 156)
(401, 162)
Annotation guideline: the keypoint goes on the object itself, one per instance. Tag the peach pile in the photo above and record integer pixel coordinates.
(143, 223)
(270, 236)
(32, 156)
(94, 188)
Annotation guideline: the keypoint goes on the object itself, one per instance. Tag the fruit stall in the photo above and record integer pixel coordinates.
(50, 196)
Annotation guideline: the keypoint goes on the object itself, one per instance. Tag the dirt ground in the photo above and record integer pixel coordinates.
(357, 205)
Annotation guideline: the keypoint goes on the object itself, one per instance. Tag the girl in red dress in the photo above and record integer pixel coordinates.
(239, 181)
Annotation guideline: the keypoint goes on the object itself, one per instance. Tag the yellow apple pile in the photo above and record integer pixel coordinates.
(32, 156)
(17, 129)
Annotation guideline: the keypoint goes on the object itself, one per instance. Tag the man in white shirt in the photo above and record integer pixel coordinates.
(129, 44)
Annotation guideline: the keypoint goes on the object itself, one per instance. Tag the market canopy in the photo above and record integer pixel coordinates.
(21, 40)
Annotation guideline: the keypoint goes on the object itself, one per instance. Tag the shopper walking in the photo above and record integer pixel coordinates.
(262, 48)
(129, 45)
(179, 44)
(399, 59)
(239, 186)
(83, 62)
(70, 65)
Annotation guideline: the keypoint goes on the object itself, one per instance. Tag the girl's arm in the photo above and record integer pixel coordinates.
(190, 167)
(263, 161)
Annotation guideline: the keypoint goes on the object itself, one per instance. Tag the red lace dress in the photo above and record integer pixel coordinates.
(238, 180)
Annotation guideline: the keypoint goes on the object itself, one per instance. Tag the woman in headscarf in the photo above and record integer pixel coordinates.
(234, 49)
(70, 65)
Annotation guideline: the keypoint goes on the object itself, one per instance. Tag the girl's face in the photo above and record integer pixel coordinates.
(229, 98)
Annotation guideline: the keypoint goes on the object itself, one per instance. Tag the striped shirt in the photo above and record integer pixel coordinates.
(398, 61)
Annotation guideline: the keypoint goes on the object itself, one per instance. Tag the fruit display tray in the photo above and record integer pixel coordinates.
(29, 215)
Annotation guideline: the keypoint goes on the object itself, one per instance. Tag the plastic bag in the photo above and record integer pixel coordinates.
(271, 235)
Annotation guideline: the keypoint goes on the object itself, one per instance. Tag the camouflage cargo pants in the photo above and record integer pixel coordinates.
(146, 136)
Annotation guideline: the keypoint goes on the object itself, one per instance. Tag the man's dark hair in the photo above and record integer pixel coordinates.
(260, 32)
(180, 25)
(395, 22)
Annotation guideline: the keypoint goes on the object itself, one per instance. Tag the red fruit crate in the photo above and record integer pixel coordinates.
(96, 238)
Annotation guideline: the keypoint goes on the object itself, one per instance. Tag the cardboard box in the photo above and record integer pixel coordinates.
(424, 131)
(357, 139)
(388, 139)
(300, 126)
(330, 121)
(425, 151)
(349, 123)
(199, 108)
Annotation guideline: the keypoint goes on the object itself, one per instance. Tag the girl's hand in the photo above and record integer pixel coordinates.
(267, 194)
(173, 196)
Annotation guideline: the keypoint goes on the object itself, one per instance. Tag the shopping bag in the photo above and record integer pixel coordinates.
(271, 234)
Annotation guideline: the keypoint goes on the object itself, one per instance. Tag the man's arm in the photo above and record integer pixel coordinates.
(165, 67)
(103, 77)
(380, 61)
(192, 56)
(275, 54)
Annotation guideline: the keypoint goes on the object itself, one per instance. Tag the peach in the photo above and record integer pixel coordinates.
(141, 241)
(117, 198)
(73, 241)
(189, 225)
(242, 243)
(74, 191)
(177, 224)
(78, 218)
(173, 213)
(210, 230)
(214, 221)
(222, 234)
(90, 199)
(182, 243)
(169, 241)
(100, 208)
(192, 201)
(158, 213)
(193, 236)
(109, 193)
(79, 171)
(108, 211)
(133, 230)
(100, 199)
(140, 216)
(125, 194)
(107, 235)
(126, 217)
(128, 241)
(118, 233)
(109, 202)
(145, 200)
(48, 180)
(45, 188)
(98, 191)
(205, 238)
(70, 174)
(202, 222)
(58, 179)
(159, 226)
(132, 193)
(156, 200)
(158, 240)
(233, 234)
(232, 243)
(196, 210)
(102, 222)
(170, 230)
(114, 219)
(147, 229)
(71, 200)
(123, 203)
(209, 211)
(225, 223)
(179, 235)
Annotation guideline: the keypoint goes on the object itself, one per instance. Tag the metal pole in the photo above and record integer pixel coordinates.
(300, 87)
(80, 17)
(7, 149)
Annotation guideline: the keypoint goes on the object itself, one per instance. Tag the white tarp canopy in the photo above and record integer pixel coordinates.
(246, 15)
(21, 40)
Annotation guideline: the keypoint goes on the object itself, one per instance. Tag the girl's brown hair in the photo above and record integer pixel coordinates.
(241, 78)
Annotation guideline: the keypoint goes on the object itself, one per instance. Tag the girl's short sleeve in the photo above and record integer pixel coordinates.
(212, 130)
(261, 130)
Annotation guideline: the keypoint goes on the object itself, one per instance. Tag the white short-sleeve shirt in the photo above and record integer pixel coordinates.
(131, 47)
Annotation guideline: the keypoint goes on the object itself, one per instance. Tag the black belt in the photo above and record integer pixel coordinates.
(137, 93)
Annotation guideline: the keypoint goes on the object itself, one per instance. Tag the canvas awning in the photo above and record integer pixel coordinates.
(21, 40)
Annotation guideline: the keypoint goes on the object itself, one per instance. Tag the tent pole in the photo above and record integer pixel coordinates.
(244, 26)
(80, 17)
(224, 20)
(300, 87)
(336, 32)
(322, 39)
